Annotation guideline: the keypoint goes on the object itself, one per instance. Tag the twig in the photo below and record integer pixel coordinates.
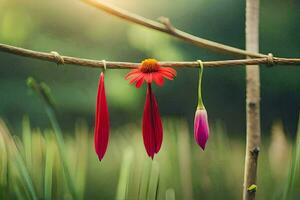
(252, 102)
(163, 27)
(56, 58)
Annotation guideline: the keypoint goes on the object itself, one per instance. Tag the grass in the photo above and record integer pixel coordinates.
(290, 190)
(31, 167)
(50, 164)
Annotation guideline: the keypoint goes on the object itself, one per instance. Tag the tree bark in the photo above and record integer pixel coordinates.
(252, 101)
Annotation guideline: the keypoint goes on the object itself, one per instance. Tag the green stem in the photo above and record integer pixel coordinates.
(200, 101)
(61, 147)
(44, 92)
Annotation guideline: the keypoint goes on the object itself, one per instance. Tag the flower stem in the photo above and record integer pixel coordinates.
(200, 101)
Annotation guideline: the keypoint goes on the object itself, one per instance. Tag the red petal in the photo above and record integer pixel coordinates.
(158, 79)
(132, 72)
(168, 72)
(136, 77)
(139, 82)
(101, 133)
(148, 77)
(152, 126)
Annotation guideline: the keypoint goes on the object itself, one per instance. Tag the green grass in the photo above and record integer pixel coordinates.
(49, 164)
(291, 190)
(31, 167)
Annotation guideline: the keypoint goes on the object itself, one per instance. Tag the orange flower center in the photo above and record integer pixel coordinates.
(149, 65)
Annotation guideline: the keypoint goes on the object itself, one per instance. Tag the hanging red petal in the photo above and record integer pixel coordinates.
(101, 133)
(152, 125)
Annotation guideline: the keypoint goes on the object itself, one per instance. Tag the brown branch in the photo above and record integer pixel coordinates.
(54, 57)
(252, 101)
(165, 27)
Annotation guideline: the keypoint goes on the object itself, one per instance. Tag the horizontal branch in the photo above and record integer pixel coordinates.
(56, 58)
(166, 27)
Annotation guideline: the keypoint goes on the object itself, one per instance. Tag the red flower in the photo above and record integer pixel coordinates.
(149, 71)
(101, 133)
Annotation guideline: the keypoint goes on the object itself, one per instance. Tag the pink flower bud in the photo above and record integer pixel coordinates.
(201, 128)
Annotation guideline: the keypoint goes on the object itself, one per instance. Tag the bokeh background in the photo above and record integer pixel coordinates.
(75, 29)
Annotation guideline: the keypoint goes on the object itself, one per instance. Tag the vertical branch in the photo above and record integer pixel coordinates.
(252, 101)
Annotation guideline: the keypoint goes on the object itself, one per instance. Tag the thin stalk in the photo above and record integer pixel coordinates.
(252, 102)
(49, 163)
(200, 101)
(44, 93)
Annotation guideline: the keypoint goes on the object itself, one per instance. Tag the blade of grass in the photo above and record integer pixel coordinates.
(50, 155)
(3, 164)
(144, 183)
(294, 166)
(44, 92)
(22, 168)
(184, 158)
(154, 181)
(27, 141)
(81, 139)
(124, 174)
(20, 195)
(169, 164)
(170, 194)
(17, 160)
(38, 163)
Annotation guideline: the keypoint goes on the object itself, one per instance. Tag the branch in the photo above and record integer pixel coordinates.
(170, 29)
(56, 58)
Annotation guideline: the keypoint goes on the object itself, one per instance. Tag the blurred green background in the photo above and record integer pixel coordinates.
(75, 29)
(72, 28)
